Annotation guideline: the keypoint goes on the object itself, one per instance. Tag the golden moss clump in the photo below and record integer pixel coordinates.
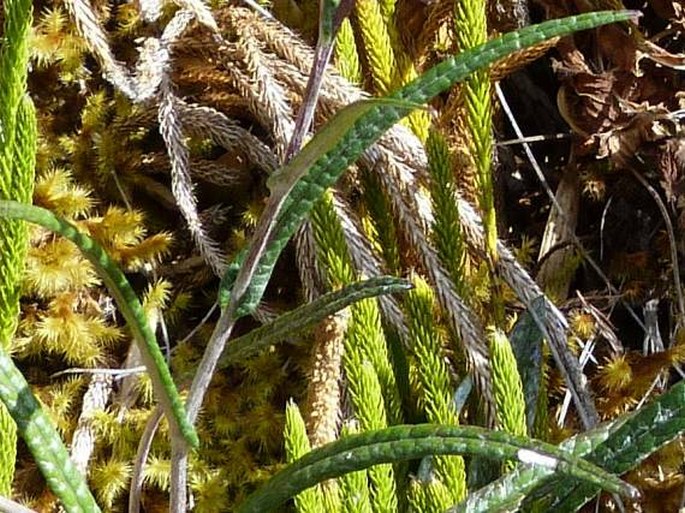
(625, 380)
(122, 234)
(241, 423)
(80, 339)
(67, 320)
(54, 40)
(582, 324)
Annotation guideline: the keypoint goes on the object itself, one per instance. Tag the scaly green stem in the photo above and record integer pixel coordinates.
(400, 443)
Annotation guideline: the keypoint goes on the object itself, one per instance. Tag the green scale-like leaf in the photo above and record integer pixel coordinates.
(296, 446)
(17, 170)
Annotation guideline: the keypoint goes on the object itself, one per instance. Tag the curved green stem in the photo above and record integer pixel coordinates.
(618, 447)
(129, 306)
(370, 125)
(400, 443)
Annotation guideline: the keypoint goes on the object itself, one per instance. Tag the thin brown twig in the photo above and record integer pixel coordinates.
(671, 243)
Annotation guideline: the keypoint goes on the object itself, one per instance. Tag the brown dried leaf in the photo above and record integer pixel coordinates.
(622, 143)
(661, 56)
(620, 48)
(588, 102)
(666, 9)
(616, 113)
(671, 164)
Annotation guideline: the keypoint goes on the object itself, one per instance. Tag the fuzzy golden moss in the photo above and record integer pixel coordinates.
(80, 339)
(241, 425)
(87, 157)
(54, 40)
(68, 324)
(110, 478)
(582, 324)
(626, 379)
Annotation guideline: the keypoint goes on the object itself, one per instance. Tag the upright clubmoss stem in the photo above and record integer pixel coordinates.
(17, 164)
(471, 30)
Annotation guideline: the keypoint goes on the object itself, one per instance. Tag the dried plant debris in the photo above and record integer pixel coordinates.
(620, 92)
(621, 98)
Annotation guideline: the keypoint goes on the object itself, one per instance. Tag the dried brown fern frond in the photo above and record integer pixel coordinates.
(437, 31)
(309, 269)
(238, 93)
(149, 81)
(181, 184)
(91, 30)
(208, 122)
